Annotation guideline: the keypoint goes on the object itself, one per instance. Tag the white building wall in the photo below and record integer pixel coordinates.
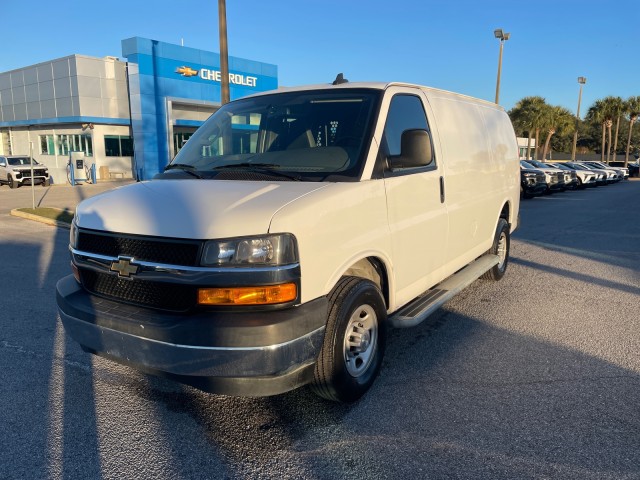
(60, 97)
(57, 164)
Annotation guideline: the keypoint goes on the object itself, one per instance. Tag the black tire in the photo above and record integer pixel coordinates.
(12, 183)
(343, 372)
(500, 247)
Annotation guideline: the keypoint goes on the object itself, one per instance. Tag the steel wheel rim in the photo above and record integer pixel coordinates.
(360, 340)
(502, 250)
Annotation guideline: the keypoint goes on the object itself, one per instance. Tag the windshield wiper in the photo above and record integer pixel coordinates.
(190, 169)
(266, 168)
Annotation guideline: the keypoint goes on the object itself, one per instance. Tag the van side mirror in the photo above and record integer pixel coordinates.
(415, 150)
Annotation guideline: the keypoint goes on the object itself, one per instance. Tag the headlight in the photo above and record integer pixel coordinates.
(268, 250)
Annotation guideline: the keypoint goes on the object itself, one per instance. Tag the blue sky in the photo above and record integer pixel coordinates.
(444, 44)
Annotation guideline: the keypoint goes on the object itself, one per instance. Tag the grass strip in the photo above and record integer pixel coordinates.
(64, 216)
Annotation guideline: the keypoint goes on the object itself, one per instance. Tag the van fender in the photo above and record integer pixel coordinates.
(351, 267)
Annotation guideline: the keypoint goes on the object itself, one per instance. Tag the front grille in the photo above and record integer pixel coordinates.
(36, 173)
(165, 296)
(172, 252)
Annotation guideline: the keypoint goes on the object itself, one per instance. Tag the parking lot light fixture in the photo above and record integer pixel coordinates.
(581, 81)
(503, 37)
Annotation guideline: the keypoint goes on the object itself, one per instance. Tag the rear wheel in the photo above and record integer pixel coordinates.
(500, 247)
(354, 341)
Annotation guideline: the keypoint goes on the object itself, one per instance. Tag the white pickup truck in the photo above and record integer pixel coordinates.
(290, 232)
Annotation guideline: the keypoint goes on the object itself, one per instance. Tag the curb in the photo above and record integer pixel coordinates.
(49, 221)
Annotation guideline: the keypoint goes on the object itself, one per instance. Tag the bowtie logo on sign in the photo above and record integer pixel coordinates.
(187, 72)
(215, 76)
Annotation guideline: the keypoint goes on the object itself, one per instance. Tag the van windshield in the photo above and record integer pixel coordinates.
(311, 135)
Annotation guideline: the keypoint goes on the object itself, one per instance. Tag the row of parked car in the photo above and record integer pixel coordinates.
(538, 178)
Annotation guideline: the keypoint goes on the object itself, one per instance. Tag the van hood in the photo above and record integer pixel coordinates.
(195, 209)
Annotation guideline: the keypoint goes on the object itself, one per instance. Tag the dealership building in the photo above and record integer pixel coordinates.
(129, 118)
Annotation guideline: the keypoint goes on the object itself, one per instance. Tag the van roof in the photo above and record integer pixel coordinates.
(381, 86)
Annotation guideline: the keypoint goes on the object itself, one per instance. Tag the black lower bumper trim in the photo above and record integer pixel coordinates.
(205, 328)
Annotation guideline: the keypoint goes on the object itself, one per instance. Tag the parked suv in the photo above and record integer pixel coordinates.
(15, 170)
(554, 176)
(570, 179)
(600, 176)
(580, 178)
(610, 175)
(621, 171)
(532, 182)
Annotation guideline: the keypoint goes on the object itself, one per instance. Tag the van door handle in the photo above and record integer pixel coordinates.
(441, 189)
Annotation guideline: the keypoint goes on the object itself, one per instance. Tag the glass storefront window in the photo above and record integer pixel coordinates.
(47, 145)
(126, 146)
(43, 144)
(66, 143)
(63, 144)
(180, 139)
(118, 146)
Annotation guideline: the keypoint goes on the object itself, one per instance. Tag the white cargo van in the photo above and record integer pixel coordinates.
(293, 228)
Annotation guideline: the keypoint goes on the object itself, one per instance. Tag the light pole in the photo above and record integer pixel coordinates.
(502, 36)
(581, 81)
(224, 55)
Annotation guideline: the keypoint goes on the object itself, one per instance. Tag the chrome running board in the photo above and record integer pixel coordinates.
(427, 303)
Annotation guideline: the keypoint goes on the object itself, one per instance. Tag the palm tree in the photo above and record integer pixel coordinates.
(556, 120)
(617, 108)
(633, 109)
(599, 115)
(526, 117)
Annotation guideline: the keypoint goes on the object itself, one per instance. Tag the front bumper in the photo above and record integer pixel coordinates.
(556, 187)
(249, 352)
(24, 177)
(533, 189)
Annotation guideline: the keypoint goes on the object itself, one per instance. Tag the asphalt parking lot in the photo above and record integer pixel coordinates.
(536, 376)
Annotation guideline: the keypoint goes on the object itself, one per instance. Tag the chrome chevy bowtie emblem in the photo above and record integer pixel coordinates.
(124, 267)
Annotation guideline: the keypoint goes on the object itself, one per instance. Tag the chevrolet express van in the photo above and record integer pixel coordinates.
(291, 231)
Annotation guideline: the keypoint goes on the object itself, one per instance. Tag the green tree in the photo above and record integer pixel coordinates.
(599, 114)
(556, 120)
(526, 117)
(617, 107)
(633, 109)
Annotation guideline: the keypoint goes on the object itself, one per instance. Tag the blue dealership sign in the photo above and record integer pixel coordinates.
(161, 72)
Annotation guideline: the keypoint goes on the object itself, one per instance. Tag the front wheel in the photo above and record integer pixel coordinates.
(354, 341)
(500, 247)
(12, 182)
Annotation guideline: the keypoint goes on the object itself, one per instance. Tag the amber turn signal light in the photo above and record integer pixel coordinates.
(76, 272)
(248, 295)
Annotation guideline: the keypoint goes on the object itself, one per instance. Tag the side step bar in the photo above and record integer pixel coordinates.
(431, 300)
